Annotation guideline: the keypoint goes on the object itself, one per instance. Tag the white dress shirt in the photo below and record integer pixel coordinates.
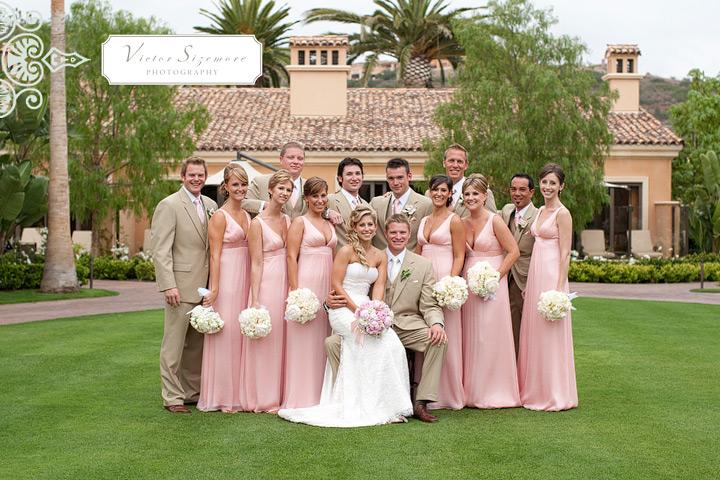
(351, 198)
(457, 191)
(394, 263)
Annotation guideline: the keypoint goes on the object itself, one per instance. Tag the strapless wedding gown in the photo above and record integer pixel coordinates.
(372, 381)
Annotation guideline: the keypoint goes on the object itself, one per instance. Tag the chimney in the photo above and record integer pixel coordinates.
(622, 68)
(318, 76)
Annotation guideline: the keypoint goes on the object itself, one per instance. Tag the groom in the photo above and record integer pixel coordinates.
(418, 318)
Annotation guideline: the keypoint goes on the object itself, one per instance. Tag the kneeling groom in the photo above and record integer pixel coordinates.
(418, 318)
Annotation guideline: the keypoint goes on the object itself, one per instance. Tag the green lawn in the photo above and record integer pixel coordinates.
(82, 401)
(24, 296)
(705, 290)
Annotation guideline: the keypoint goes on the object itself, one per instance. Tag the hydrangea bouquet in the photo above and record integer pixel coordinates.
(451, 292)
(255, 322)
(302, 306)
(205, 320)
(373, 318)
(483, 280)
(554, 305)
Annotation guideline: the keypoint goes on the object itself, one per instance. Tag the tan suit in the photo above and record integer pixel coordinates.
(258, 192)
(338, 202)
(519, 271)
(416, 207)
(181, 256)
(415, 310)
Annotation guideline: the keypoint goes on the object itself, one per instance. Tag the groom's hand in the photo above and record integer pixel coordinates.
(335, 300)
(437, 335)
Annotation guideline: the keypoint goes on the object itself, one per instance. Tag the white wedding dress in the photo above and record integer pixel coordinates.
(372, 381)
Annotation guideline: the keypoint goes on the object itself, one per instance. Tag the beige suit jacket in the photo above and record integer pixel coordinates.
(258, 193)
(416, 207)
(410, 298)
(180, 245)
(524, 239)
(338, 202)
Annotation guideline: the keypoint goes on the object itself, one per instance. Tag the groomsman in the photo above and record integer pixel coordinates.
(455, 162)
(180, 253)
(350, 177)
(400, 199)
(519, 216)
(292, 159)
(419, 321)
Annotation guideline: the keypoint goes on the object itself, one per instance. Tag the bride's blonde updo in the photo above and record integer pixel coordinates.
(355, 217)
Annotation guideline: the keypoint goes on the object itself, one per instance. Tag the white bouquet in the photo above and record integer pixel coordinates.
(205, 320)
(451, 292)
(554, 305)
(302, 306)
(255, 322)
(483, 280)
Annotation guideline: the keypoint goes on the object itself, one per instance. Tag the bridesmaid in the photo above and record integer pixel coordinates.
(229, 287)
(263, 359)
(489, 368)
(546, 367)
(441, 239)
(310, 246)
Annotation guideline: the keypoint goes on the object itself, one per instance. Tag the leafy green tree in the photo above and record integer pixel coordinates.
(414, 32)
(251, 17)
(126, 138)
(523, 100)
(697, 121)
(23, 137)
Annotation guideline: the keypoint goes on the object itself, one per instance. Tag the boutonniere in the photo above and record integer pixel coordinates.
(210, 212)
(522, 222)
(409, 211)
(405, 274)
(461, 201)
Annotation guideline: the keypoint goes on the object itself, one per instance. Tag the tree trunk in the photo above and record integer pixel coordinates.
(59, 274)
(418, 72)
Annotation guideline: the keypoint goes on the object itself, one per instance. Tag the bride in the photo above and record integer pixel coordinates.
(371, 387)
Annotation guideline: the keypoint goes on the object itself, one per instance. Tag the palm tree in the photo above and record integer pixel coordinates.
(59, 274)
(251, 17)
(414, 32)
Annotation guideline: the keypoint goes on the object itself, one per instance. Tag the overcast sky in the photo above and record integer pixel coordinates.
(674, 36)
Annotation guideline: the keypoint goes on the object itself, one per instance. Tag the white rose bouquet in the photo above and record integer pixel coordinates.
(255, 322)
(554, 305)
(205, 320)
(451, 292)
(483, 280)
(302, 306)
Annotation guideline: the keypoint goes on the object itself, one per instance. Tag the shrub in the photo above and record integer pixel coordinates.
(678, 272)
(18, 276)
(144, 270)
(108, 268)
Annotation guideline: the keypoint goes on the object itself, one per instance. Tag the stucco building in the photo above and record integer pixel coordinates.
(334, 121)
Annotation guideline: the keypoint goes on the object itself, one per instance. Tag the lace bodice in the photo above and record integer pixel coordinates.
(358, 279)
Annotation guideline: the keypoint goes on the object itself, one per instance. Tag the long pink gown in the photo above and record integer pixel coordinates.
(305, 343)
(546, 365)
(438, 249)
(220, 378)
(263, 359)
(489, 368)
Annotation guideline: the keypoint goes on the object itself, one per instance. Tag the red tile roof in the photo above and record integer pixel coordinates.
(622, 48)
(319, 41)
(379, 119)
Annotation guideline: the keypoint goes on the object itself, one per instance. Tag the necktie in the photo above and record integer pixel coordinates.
(392, 268)
(354, 203)
(517, 217)
(294, 197)
(397, 206)
(200, 210)
(455, 197)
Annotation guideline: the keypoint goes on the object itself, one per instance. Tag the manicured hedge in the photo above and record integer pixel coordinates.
(658, 271)
(18, 276)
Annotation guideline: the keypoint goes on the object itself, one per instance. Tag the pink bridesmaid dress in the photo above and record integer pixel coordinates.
(220, 377)
(305, 343)
(263, 359)
(438, 249)
(546, 366)
(489, 368)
